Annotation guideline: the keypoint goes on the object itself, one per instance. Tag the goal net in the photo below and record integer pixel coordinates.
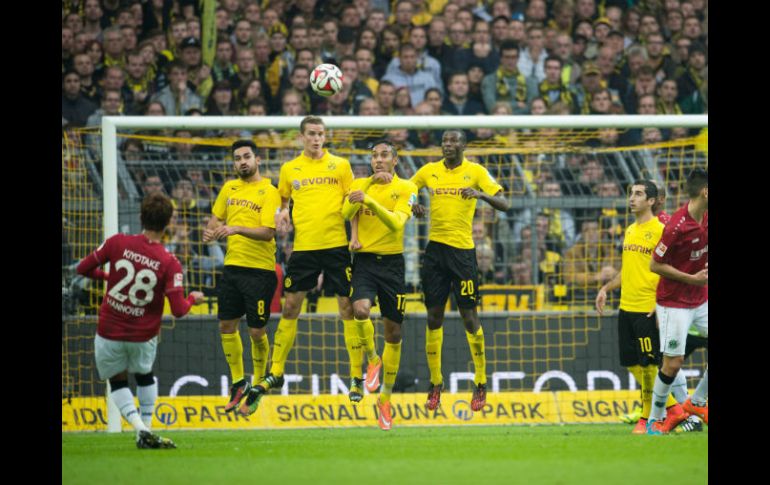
(550, 357)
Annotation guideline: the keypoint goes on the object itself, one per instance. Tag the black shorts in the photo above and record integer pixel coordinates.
(693, 343)
(380, 276)
(445, 267)
(305, 266)
(246, 290)
(638, 339)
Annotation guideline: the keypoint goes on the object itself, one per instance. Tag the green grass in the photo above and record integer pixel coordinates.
(572, 454)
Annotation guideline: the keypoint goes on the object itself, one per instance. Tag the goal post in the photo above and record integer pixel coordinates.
(112, 127)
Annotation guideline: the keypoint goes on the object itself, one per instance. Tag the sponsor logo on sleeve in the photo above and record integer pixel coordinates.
(661, 249)
(178, 280)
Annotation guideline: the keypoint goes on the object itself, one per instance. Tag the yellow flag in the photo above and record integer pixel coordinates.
(208, 30)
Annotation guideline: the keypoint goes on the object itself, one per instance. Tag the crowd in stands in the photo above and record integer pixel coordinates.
(400, 57)
(409, 56)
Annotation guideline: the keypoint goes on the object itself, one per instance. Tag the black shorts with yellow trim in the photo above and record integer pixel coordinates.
(446, 268)
(380, 276)
(305, 266)
(247, 291)
(638, 339)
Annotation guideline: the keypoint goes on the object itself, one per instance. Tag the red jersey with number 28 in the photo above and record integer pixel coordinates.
(141, 274)
(683, 245)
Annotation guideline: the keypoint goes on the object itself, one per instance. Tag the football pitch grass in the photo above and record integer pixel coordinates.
(570, 454)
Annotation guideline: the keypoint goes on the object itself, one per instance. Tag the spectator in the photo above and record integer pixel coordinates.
(499, 28)
(75, 107)
(245, 69)
(93, 18)
(358, 90)
(552, 89)
(457, 103)
(606, 61)
(377, 20)
(389, 48)
(408, 75)
(485, 260)
(482, 52)
(222, 102)
(631, 21)
(425, 62)
(223, 67)
(644, 84)
(561, 230)
(138, 80)
(111, 106)
(532, 59)
(153, 184)
(667, 96)
(386, 97)
(475, 76)
(548, 262)
(250, 92)
(364, 62)
(691, 79)
(402, 103)
(508, 83)
(590, 263)
(291, 103)
(692, 29)
(177, 97)
(658, 58)
(437, 36)
(570, 70)
(563, 14)
(241, 37)
(84, 67)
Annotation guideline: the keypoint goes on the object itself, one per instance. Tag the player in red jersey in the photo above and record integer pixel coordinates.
(142, 273)
(681, 259)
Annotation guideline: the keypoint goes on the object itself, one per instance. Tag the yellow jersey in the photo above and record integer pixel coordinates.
(451, 216)
(397, 196)
(637, 282)
(248, 204)
(318, 188)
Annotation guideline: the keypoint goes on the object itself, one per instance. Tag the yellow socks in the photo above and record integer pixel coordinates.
(366, 332)
(353, 344)
(645, 376)
(233, 347)
(284, 340)
(433, 341)
(391, 357)
(476, 343)
(259, 353)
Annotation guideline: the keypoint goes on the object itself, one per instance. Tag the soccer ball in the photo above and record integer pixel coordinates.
(326, 80)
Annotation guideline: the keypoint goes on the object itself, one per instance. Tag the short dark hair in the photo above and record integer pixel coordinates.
(650, 189)
(390, 145)
(697, 181)
(310, 120)
(243, 143)
(509, 44)
(156, 212)
(460, 132)
(554, 58)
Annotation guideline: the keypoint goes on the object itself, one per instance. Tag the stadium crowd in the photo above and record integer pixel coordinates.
(402, 57)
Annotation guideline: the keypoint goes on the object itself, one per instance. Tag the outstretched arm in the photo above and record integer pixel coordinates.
(498, 201)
